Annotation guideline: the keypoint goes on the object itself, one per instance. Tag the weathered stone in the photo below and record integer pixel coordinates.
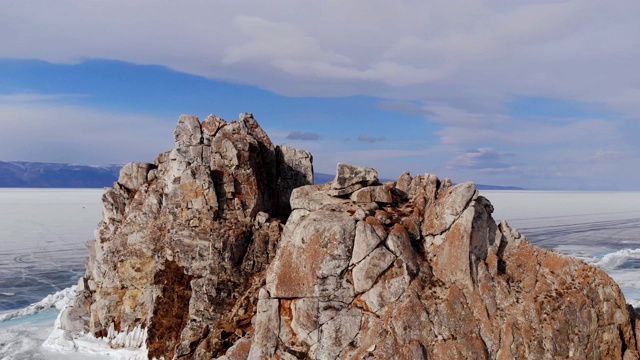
(450, 291)
(133, 175)
(399, 242)
(313, 256)
(345, 191)
(372, 194)
(295, 169)
(197, 213)
(365, 241)
(383, 217)
(368, 270)
(404, 182)
(188, 132)
(267, 327)
(313, 197)
(389, 287)
(377, 226)
(448, 207)
(336, 334)
(305, 319)
(239, 351)
(261, 218)
(210, 127)
(348, 175)
(360, 214)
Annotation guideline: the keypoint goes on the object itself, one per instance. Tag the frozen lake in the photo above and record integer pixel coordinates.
(43, 234)
(42, 237)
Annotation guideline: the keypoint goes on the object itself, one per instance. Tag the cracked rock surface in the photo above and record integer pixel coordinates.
(430, 275)
(195, 249)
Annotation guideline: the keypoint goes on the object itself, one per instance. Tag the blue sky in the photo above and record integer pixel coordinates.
(543, 95)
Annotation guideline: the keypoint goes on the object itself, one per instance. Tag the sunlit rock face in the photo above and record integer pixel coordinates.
(428, 275)
(223, 249)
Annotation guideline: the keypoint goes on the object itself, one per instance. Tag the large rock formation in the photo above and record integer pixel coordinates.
(184, 242)
(192, 260)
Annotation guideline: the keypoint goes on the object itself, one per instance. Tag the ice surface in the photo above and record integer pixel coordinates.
(42, 241)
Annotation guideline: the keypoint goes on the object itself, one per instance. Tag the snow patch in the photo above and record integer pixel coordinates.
(616, 259)
(57, 300)
(121, 345)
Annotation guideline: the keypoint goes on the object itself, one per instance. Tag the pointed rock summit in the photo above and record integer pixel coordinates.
(223, 248)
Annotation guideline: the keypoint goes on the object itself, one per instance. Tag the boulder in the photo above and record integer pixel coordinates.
(350, 178)
(379, 194)
(134, 175)
(294, 169)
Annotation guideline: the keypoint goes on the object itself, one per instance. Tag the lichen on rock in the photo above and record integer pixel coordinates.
(224, 248)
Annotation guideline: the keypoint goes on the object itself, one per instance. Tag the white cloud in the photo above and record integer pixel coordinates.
(280, 43)
(454, 52)
(456, 62)
(58, 132)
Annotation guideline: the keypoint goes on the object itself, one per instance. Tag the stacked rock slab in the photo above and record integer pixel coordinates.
(420, 270)
(192, 261)
(184, 242)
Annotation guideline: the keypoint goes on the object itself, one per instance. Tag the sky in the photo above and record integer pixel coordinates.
(536, 94)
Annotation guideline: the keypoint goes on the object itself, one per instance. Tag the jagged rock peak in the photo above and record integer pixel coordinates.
(183, 241)
(193, 260)
(188, 132)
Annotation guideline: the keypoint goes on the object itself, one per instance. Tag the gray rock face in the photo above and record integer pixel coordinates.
(295, 167)
(350, 178)
(367, 272)
(365, 241)
(133, 175)
(192, 251)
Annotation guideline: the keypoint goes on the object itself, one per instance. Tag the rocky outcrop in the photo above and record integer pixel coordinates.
(429, 275)
(184, 242)
(194, 260)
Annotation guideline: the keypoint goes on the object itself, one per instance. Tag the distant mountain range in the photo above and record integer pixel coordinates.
(15, 174)
(21, 174)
